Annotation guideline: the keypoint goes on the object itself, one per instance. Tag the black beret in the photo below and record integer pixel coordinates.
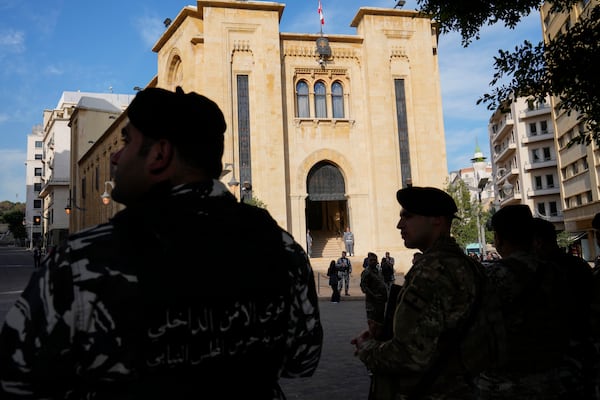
(427, 201)
(192, 122)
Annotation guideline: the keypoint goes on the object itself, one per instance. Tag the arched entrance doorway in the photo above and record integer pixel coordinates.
(326, 207)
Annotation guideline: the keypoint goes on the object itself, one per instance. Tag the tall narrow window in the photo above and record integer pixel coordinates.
(533, 129)
(320, 100)
(243, 106)
(553, 209)
(337, 99)
(547, 153)
(541, 208)
(402, 124)
(302, 99)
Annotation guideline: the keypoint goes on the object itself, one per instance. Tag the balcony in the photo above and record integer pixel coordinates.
(544, 135)
(543, 191)
(539, 109)
(504, 153)
(53, 182)
(504, 125)
(540, 164)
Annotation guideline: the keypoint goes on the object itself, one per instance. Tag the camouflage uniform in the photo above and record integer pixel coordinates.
(145, 306)
(375, 290)
(535, 307)
(437, 295)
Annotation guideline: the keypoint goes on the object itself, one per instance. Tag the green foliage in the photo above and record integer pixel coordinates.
(465, 229)
(255, 201)
(564, 239)
(7, 207)
(14, 219)
(564, 68)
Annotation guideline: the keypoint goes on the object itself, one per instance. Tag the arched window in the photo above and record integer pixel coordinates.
(337, 99)
(320, 100)
(302, 99)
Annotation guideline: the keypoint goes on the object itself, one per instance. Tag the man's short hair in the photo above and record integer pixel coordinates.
(514, 223)
(596, 221)
(544, 230)
(193, 123)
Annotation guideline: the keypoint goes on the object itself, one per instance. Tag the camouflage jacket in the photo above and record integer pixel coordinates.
(536, 297)
(373, 286)
(153, 305)
(437, 295)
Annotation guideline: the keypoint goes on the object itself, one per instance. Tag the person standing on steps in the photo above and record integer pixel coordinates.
(345, 268)
(349, 241)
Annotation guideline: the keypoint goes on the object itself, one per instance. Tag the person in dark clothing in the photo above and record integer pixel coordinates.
(535, 305)
(37, 257)
(334, 280)
(124, 310)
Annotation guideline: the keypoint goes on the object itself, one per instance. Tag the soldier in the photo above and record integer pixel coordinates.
(436, 301)
(578, 366)
(375, 290)
(125, 310)
(345, 270)
(535, 303)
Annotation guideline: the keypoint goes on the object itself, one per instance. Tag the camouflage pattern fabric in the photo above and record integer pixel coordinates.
(148, 305)
(535, 307)
(437, 295)
(375, 290)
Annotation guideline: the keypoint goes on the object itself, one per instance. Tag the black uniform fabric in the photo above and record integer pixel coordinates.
(176, 299)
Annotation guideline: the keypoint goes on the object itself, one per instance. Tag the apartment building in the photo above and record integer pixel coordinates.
(34, 167)
(56, 193)
(323, 129)
(579, 165)
(524, 159)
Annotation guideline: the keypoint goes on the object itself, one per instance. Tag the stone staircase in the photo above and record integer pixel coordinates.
(326, 245)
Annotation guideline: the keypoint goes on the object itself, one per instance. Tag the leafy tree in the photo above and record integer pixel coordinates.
(565, 67)
(14, 219)
(8, 207)
(465, 229)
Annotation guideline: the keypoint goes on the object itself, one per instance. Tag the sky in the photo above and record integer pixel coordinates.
(51, 46)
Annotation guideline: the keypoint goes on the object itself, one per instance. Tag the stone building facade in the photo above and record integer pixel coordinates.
(323, 129)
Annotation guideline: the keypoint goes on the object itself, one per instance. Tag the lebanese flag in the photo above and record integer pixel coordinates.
(321, 17)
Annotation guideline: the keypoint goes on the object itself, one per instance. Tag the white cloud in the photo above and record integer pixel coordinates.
(12, 41)
(53, 70)
(150, 28)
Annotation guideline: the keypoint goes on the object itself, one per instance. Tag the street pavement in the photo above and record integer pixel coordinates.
(340, 374)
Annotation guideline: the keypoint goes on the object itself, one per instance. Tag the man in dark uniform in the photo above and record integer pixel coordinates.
(577, 371)
(535, 303)
(438, 295)
(125, 310)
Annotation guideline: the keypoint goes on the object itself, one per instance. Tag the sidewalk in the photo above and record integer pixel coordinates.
(340, 375)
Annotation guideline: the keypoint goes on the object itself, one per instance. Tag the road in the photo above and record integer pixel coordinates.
(339, 375)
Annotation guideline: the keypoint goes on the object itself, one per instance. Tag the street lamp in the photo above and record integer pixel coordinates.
(508, 188)
(232, 182)
(70, 205)
(106, 196)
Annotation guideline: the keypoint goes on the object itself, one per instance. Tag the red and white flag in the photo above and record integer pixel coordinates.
(321, 17)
